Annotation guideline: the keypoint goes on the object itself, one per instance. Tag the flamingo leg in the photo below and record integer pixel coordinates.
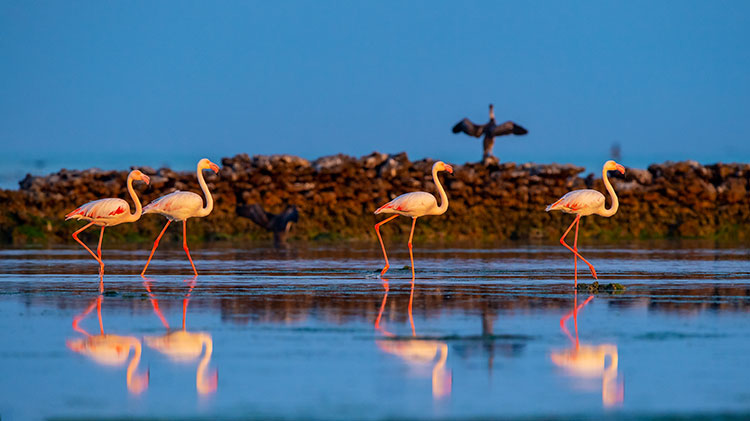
(101, 262)
(575, 258)
(75, 237)
(382, 305)
(99, 313)
(185, 247)
(411, 255)
(377, 231)
(562, 241)
(156, 244)
(411, 301)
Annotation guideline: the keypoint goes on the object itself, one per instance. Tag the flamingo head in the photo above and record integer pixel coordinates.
(137, 175)
(442, 166)
(205, 164)
(492, 111)
(612, 166)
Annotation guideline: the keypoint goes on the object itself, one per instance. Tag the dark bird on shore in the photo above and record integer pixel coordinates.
(278, 224)
(489, 130)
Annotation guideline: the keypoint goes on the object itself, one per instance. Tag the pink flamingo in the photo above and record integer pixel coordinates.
(414, 204)
(107, 213)
(583, 203)
(181, 205)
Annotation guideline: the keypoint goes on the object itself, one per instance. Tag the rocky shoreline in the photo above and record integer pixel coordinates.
(336, 196)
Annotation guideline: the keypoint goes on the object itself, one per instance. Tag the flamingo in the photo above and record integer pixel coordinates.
(490, 130)
(108, 349)
(107, 213)
(414, 205)
(590, 361)
(181, 205)
(415, 351)
(583, 203)
(184, 346)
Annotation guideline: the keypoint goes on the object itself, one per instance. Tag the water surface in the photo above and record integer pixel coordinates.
(313, 332)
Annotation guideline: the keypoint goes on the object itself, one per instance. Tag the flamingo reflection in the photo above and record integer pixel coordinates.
(183, 346)
(589, 361)
(108, 349)
(416, 352)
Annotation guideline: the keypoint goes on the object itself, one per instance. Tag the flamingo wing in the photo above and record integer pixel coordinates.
(578, 201)
(100, 209)
(469, 128)
(178, 201)
(410, 204)
(508, 127)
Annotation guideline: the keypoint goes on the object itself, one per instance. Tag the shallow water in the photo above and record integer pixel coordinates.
(312, 332)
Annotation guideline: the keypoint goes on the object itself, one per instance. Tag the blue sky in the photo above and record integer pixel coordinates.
(114, 84)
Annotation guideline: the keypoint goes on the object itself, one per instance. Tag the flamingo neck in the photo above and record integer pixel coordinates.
(209, 200)
(202, 384)
(136, 215)
(133, 365)
(443, 197)
(615, 203)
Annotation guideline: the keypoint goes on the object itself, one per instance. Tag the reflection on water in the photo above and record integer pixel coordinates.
(416, 351)
(181, 346)
(294, 336)
(590, 361)
(108, 349)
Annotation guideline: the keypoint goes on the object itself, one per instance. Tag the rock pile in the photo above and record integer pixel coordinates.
(336, 196)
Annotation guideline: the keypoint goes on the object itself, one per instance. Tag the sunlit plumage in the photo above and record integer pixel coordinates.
(414, 205)
(107, 213)
(583, 203)
(179, 206)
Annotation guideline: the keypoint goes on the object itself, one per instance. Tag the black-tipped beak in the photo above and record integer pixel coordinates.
(621, 169)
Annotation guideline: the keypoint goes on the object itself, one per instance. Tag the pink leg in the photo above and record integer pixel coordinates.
(382, 305)
(156, 244)
(101, 262)
(377, 231)
(562, 241)
(411, 301)
(155, 304)
(99, 313)
(411, 255)
(575, 258)
(185, 247)
(75, 237)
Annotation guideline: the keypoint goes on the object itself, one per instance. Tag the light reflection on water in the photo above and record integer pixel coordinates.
(314, 333)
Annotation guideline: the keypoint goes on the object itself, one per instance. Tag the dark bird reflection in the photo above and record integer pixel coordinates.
(181, 346)
(110, 350)
(415, 351)
(589, 361)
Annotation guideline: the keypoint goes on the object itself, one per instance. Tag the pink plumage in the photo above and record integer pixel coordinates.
(181, 205)
(414, 205)
(176, 206)
(104, 212)
(581, 202)
(411, 204)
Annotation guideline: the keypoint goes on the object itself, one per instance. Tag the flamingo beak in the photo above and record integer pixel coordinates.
(620, 168)
(449, 168)
(214, 167)
(146, 179)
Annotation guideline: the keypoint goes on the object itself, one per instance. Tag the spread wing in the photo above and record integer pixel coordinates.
(469, 128)
(256, 214)
(508, 127)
